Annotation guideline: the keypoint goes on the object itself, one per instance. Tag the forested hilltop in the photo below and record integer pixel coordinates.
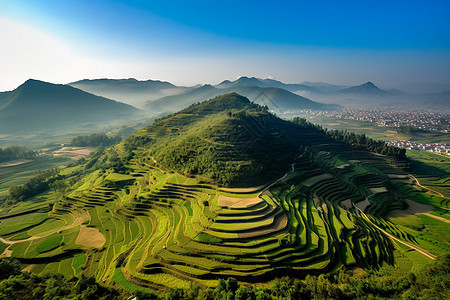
(228, 140)
(233, 141)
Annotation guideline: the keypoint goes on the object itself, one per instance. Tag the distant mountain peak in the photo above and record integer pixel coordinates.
(368, 88)
(33, 81)
(369, 83)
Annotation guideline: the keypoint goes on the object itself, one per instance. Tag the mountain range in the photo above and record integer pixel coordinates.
(276, 99)
(41, 105)
(131, 91)
(160, 96)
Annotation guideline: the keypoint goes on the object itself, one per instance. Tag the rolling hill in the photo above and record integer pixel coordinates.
(222, 140)
(37, 105)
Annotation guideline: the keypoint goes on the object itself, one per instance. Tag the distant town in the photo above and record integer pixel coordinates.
(416, 119)
(435, 147)
(405, 121)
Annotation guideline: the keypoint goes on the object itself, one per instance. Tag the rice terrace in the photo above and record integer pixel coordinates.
(198, 197)
(224, 150)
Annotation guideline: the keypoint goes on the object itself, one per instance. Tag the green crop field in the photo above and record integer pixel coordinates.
(19, 174)
(159, 227)
(131, 220)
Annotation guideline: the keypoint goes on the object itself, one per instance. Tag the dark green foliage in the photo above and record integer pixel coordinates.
(233, 142)
(94, 140)
(407, 129)
(209, 239)
(365, 143)
(430, 282)
(13, 152)
(9, 267)
(27, 286)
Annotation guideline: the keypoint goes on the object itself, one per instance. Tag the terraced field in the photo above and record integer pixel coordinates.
(143, 225)
(160, 229)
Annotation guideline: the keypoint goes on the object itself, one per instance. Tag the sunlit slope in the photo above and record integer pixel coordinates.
(129, 218)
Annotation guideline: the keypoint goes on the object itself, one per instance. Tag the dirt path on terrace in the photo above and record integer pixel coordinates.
(427, 188)
(27, 268)
(211, 142)
(6, 253)
(418, 249)
(8, 242)
(437, 217)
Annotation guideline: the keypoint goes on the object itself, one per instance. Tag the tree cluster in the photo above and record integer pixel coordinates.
(407, 129)
(17, 285)
(33, 186)
(429, 282)
(358, 140)
(14, 152)
(95, 140)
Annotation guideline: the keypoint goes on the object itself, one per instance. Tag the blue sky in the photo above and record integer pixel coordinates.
(189, 42)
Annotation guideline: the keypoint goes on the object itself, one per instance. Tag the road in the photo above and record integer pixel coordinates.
(412, 246)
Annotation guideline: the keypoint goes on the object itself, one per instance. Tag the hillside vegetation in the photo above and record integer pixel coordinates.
(154, 211)
(227, 139)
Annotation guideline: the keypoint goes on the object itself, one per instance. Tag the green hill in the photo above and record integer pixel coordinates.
(37, 105)
(227, 139)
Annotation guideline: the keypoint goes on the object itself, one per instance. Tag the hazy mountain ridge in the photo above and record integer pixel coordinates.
(130, 91)
(276, 99)
(367, 88)
(40, 105)
(266, 83)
